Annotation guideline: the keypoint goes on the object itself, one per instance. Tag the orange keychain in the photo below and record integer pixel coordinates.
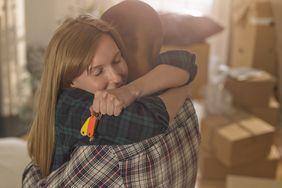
(89, 126)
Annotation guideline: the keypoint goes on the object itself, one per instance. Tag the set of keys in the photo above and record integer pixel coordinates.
(89, 126)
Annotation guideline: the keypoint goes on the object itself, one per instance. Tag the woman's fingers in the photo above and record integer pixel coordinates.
(114, 105)
(110, 105)
(96, 103)
(103, 102)
(92, 112)
(118, 107)
(106, 103)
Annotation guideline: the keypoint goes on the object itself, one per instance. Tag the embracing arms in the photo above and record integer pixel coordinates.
(174, 70)
(143, 117)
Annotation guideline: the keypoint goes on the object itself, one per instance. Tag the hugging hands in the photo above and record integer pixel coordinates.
(112, 101)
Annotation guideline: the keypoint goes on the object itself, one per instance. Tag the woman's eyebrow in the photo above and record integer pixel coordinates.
(116, 54)
(91, 67)
(100, 65)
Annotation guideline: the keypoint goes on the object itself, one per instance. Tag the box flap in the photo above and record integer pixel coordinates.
(233, 132)
(216, 120)
(250, 182)
(256, 126)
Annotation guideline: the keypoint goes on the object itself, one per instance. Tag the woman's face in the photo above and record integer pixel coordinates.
(108, 69)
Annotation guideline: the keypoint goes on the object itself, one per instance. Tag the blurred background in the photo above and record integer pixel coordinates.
(236, 92)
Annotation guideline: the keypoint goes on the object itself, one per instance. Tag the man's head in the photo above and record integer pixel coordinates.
(140, 28)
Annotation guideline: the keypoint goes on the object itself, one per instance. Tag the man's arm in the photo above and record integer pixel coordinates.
(144, 118)
(174, 99)
(162, 77)
(169, 73)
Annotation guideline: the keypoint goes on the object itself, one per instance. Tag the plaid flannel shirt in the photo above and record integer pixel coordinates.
(144, 118)
(166, 160)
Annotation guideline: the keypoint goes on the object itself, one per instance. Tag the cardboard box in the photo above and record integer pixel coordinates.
(250, 182)
(269, 114)
(240, 115)
(209, 125)
(211, 168)
(251, 92)
(277, 10)
(253, 38)
(244, 141)
(202, 51)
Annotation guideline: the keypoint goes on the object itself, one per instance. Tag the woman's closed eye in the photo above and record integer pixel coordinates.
(116, 61)
(95, 71)
(117, 58)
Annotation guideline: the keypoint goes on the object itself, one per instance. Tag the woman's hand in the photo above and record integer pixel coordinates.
(112, 101)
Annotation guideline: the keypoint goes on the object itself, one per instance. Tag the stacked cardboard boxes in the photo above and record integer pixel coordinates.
(242, 143)
(237, 144)
(253, 91)
(212, 168)
(253, 41)
(255, 94)
(269, 113)
(253, 45)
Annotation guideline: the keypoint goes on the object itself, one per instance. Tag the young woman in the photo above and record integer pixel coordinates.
(85, 57)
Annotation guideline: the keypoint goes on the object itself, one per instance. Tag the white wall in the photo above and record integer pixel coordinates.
(42, 18)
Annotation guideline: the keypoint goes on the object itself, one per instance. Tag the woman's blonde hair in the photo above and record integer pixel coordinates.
(69, 53)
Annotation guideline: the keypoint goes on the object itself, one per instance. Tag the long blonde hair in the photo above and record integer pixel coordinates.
(69, 53)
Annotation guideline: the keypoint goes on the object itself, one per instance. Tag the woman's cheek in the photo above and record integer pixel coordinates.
(124, 72)
(99, 84)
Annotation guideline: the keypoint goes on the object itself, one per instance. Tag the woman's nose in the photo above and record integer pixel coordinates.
(115, 77)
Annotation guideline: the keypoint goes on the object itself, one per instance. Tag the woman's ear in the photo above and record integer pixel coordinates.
(73, 83)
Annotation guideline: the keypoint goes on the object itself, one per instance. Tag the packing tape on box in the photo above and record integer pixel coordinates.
(267, 21)
(240, 11)
(240, 15)
(246, 129)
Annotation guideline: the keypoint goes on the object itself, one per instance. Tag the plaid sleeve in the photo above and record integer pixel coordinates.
(166, 160)
(145, 118)
(181, 59)
(71, 111)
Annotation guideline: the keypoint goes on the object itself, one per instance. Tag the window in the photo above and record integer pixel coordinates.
(193, 7)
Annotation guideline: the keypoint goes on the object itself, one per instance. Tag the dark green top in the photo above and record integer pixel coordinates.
(144, 118)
